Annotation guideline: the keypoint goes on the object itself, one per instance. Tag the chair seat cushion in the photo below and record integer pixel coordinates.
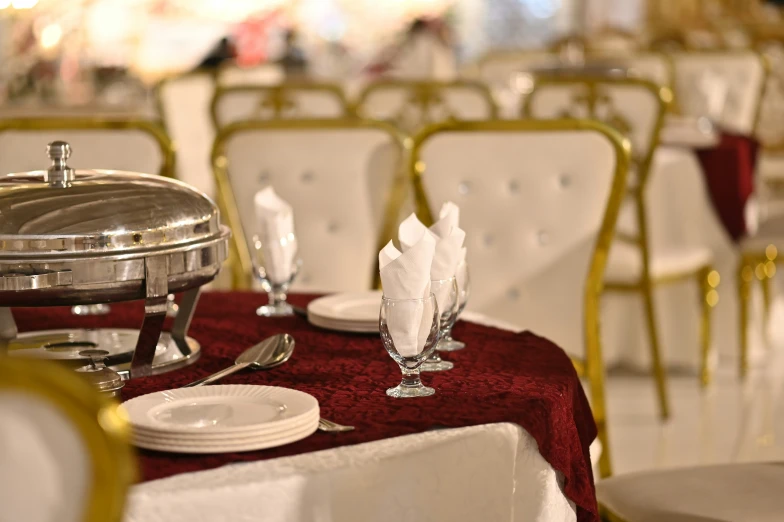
(625, 262)
(724, 493)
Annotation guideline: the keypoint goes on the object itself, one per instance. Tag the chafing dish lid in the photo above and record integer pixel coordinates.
(67, 212)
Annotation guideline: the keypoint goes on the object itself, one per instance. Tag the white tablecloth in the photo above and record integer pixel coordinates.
(484, 473)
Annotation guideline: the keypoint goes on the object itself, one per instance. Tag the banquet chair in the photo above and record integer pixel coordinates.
(97, 143)
(538, 230)
(636, 108)
(737, 492)
(287, 100)
(343, 178)
(724, 85)
(413, 104)
(184, 103)
(65, 449)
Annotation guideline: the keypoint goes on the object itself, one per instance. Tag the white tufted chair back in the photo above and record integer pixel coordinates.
(633, 106)
(338, 176)
(412, 104)
(65, 451)
(113, 144)
(538, 202)
(726, 86)
(244, 102)
(185, 104)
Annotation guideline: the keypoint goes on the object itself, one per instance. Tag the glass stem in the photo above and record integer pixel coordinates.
(410, 378)
(276, 297)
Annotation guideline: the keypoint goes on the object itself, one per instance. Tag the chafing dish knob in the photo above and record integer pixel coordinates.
(59, 174)
(105, 379)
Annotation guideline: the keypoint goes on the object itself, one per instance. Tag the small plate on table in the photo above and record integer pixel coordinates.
(221, 418)
(355, 312)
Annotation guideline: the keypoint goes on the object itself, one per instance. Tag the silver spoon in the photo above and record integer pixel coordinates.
(269, 353)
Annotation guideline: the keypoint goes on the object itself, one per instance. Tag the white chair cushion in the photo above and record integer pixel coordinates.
(625, 262)
(724, 493)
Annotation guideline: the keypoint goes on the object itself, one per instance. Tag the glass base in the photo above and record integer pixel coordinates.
(436, 366)
(93, 309)
(406, 392)
(449, 345)
(279, 310)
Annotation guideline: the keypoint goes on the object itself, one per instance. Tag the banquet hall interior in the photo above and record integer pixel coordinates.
(230, 228)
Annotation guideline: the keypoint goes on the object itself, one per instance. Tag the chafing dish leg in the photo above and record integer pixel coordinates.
(156, 288)
(8, 329)
(183, 321)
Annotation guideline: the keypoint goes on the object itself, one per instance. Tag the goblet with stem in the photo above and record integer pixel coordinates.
(447, 343)
(445, 291)
(275, 266)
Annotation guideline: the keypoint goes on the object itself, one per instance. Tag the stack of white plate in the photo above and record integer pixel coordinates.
(222, 418)
(348, 312)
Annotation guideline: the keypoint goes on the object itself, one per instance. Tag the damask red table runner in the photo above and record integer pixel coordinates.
(500, 377)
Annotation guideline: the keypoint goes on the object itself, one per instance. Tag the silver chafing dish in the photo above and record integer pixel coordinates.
(76, 237)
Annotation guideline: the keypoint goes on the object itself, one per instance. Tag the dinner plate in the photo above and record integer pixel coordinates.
(351, 311)
(223, 409)
(208, 437)
(253, 444)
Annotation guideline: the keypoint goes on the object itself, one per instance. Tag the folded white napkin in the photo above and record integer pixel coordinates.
(449, 243)
(407, 276)
(275, 228)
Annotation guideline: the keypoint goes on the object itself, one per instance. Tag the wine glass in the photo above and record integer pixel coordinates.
(275, 265)
(445, 291)
(447, 343)
(410, 329)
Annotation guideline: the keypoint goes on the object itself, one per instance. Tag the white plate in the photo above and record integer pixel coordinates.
(225, 409)
(229, 447)
(208, 437)
(360, 307)
(344, 327)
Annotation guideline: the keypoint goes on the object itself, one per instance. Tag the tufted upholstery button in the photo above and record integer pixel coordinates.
(513, 294)
(464, 187)
(542, 237)
(488, 239)
(514, 186)
(307, 176)
(564, 180)
(333, 227)
(263, 177)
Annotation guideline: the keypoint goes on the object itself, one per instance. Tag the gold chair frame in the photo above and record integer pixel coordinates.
(148, 127)
(278, 97)
(98, 420)
(424, 95)
(593, 365)
(707, 278)
(240, 255)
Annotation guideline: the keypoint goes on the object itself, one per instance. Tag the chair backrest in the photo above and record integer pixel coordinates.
(655, 67)
(726, 86)
(498, 68)
(65, 450)
(288, 100)
(633, 106)
(770, 126)
(339, 177)
(411, 105)
(268, 74)
(184, 102)
(98, 143)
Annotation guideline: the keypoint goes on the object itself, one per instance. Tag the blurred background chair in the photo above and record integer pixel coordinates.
(411, 105)
(537, 247)
(288, 100)
(65, 450)
(345, 190)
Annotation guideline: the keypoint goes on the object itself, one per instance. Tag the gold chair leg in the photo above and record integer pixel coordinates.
(709, 297)
(653, 335)
(594, 370)
(745, 275)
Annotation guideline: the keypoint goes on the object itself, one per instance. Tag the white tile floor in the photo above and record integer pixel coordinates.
(731, 421)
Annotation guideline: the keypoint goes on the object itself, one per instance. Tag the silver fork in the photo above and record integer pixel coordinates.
(332, 427)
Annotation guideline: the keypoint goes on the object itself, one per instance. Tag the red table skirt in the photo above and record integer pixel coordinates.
(500, 377)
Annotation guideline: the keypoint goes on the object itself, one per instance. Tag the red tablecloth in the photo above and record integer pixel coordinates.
(500, 377)
(729, 174)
